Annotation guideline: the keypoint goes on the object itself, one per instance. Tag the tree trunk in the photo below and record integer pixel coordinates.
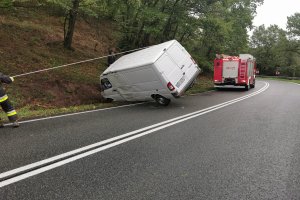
(175, 31)
(70, 20)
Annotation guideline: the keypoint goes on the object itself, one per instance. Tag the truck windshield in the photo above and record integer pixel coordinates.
(105, 84)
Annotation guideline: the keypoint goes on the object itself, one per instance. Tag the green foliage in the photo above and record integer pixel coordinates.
(6, 3)
(222, 28)
(272, 48)
(293, 25)
(205, 27)
(65, 5)
(278, 50)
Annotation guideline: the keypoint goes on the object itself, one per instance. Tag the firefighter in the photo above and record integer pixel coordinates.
(111, 57)
(5, 103)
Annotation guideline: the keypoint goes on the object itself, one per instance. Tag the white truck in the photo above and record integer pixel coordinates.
(161, 72)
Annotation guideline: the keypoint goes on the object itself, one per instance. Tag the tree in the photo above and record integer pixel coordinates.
(69, 25)
(202, 26)
(222, 28)
(293, 25)
(270, 47)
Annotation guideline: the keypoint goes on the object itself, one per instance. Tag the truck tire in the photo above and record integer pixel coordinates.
(247, 87)
(161, 100)
(108, 100)
(252, 85)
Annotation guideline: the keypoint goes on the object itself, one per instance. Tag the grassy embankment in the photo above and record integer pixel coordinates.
(283, 79)
(32, 39)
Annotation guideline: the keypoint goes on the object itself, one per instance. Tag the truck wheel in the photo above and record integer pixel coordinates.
(247, 87)
(162, 100)
(252, 85)
(108, 100)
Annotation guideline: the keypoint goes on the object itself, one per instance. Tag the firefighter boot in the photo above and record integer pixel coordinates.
(14, 120)
(15, 124)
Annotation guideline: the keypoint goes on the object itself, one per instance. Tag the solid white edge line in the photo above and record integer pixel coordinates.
(63, 162)
(70, 153)
(77, 113)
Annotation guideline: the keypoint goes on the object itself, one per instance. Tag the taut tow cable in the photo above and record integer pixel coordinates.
(75, 63)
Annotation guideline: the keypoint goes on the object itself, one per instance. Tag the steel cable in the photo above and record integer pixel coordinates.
(76, 63)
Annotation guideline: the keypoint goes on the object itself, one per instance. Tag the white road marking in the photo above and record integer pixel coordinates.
(78, 113)
(109, 143)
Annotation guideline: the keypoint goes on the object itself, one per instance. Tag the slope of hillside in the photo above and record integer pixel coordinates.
(32, 40)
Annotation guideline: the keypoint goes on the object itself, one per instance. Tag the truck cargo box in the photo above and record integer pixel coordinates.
(161, 72)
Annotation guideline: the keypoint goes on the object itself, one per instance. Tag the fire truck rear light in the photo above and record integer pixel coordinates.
(170, 86)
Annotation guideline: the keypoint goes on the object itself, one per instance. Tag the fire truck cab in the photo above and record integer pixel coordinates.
(235, 71)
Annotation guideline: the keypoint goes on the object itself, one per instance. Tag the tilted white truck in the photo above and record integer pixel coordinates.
(161, 72)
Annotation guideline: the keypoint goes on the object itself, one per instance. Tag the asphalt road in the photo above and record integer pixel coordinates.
(248, 148)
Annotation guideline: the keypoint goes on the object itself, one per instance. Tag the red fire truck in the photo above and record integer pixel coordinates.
(235, 71)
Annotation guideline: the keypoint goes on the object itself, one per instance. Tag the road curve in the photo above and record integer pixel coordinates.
(248, 149)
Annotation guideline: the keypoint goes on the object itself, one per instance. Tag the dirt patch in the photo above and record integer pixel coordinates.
(62, 93)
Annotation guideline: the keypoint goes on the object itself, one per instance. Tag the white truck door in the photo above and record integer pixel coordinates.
(169, 68)
(180, 56)
(184, 62)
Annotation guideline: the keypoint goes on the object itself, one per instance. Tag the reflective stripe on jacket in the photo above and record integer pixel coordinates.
(3, 98)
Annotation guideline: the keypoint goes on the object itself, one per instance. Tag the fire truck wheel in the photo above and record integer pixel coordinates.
(162, 100)
(252, 85)
(246, 87)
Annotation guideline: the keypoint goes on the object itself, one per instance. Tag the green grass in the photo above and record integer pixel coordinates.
(202, 84)
(283, 79)
(29, 112)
